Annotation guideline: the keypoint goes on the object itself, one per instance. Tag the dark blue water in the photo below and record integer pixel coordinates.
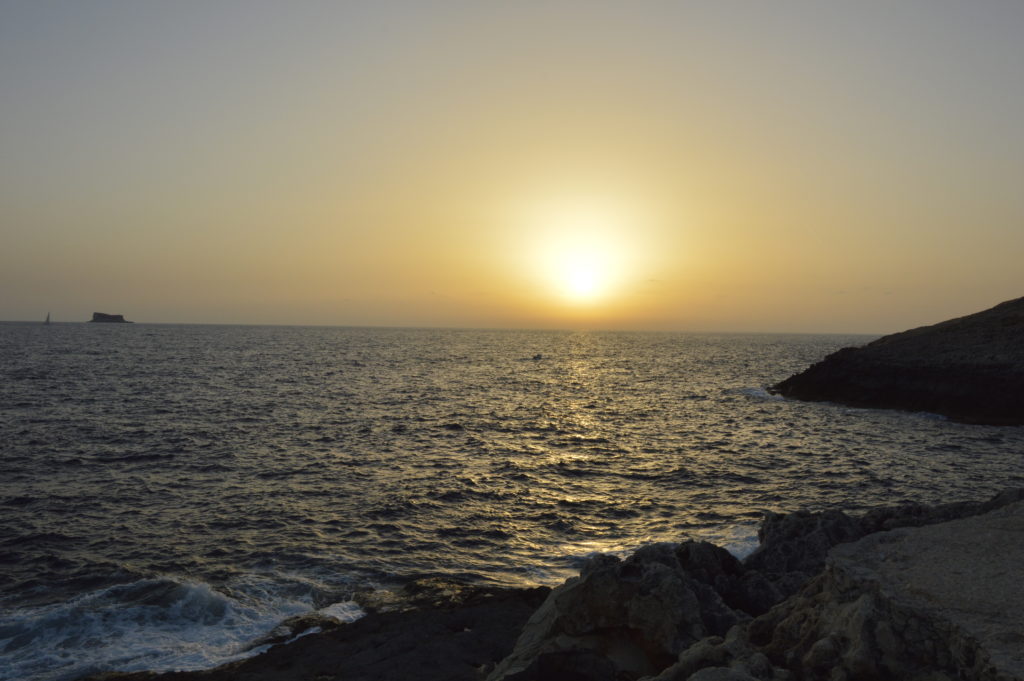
(170, 493)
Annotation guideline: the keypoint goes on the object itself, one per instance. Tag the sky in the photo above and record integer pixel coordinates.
(689, 166)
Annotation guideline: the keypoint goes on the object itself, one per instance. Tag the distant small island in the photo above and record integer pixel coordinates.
(104, 318)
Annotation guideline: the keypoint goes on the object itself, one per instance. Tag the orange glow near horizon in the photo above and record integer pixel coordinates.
(690, 166)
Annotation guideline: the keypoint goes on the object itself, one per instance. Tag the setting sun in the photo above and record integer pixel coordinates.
(581, 248)
(584, 275)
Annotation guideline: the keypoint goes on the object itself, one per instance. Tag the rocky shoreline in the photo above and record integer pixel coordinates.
(969, 369)
(906, 592)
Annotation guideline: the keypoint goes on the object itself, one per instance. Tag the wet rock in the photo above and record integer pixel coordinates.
(292, 627)
(970, 369)
(459, 640)
(429, 592)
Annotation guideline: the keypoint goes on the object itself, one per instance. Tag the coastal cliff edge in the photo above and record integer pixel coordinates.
(969, 369)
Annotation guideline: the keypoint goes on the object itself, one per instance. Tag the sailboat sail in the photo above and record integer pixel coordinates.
(47, 318)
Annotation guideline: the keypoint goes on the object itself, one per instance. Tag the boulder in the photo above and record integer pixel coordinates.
(637, 614)
(793, 546)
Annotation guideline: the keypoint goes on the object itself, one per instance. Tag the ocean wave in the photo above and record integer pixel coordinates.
(220, 452)
(157, 624)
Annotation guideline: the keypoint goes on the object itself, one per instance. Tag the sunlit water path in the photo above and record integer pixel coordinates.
(170, 493)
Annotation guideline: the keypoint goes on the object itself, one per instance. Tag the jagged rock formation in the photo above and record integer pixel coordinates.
(969, 369)
(102, 317)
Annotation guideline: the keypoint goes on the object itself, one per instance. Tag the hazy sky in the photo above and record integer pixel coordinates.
(762, 166)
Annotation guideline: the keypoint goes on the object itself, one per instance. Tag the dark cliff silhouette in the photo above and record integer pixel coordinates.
(102, 317)
(970, 369)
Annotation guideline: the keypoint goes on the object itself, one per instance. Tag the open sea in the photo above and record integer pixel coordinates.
(168, 494)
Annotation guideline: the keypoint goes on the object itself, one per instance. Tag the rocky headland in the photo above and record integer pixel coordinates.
(911, 592)
(970, 369)
(104, 318)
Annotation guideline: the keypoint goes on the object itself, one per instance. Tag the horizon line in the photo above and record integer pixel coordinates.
(399, 327)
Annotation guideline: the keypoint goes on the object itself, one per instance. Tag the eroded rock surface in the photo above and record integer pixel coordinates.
(625, 619)
(630, 617)
(970, 369)
(937, 602)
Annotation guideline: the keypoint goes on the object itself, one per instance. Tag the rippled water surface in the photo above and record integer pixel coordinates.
(169, 493)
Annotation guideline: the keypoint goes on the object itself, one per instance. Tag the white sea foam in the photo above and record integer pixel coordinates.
(742, 543)
(346, 611)
(760, 394)
(152, 624)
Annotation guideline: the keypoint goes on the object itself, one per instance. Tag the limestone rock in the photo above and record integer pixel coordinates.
(970, 369)
(918, 515)
(730, 658)
(637, 614)
(664, 610)
(936, 602)
(793, 546)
